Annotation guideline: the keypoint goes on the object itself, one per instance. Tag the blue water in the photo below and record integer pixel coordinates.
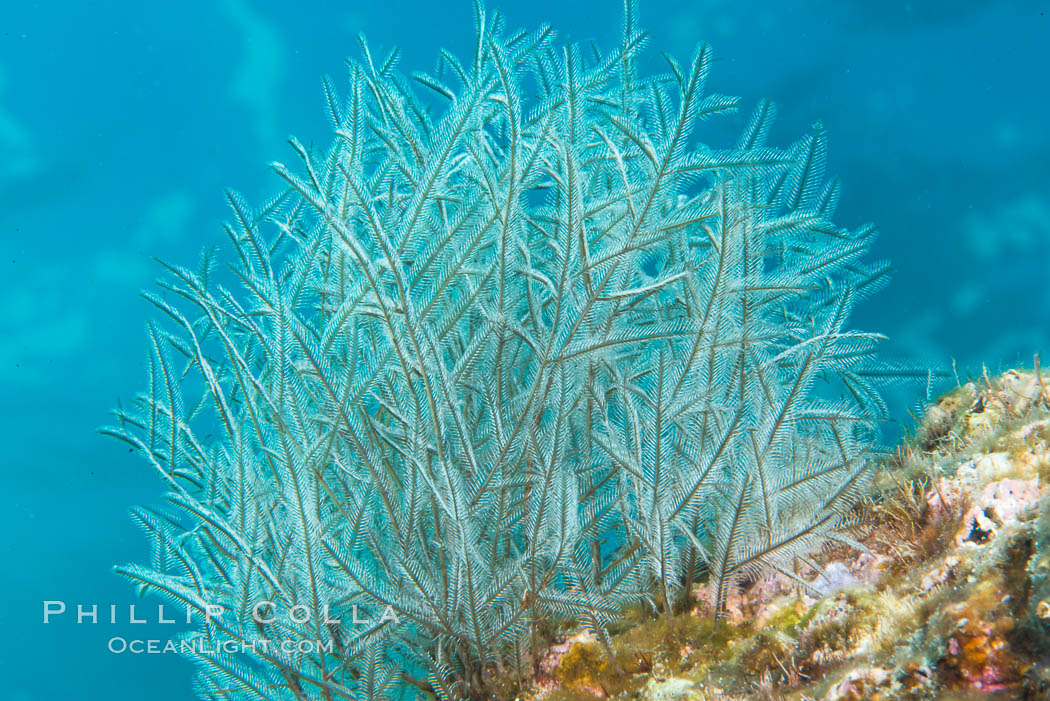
(121, 123)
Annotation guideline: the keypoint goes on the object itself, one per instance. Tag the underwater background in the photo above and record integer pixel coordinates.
(121, 123)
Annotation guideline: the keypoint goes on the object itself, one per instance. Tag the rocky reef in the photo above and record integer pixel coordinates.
(948, 599)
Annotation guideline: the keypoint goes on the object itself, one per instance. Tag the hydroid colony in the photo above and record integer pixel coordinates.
(516, 348)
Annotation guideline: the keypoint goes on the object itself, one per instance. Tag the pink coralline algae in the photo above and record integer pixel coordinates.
(997, 504)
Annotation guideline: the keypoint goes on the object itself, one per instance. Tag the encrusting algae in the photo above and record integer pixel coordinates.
(950, 600)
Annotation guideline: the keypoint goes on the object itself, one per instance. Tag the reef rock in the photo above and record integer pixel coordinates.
(995, 505)
(949, 596)
(669, 690)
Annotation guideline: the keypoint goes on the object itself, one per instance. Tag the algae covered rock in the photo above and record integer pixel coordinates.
(863, 683)
(670, 690)
(950, 598)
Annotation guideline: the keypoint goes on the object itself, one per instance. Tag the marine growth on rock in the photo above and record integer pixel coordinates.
(517, 348)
